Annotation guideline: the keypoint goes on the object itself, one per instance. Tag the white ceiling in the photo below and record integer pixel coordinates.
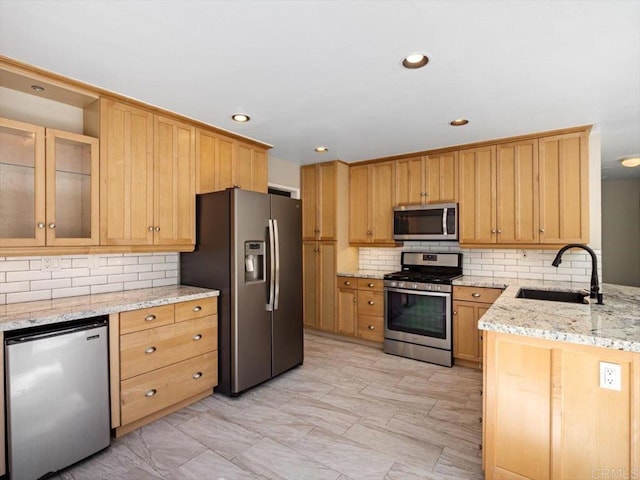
(328, 72)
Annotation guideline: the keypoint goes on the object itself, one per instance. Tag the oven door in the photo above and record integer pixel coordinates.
(414, 316)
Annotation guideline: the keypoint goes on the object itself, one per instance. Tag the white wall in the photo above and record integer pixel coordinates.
(621, 231)
(284, 173)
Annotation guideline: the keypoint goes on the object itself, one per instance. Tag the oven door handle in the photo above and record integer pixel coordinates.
(424, 293)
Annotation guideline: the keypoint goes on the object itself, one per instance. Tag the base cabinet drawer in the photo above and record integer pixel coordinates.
(153, 391)
(196, 308)
(146, 318)
(370, 303)
(371, 328)
(147, 350)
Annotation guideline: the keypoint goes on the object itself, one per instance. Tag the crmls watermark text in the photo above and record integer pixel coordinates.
(615, 474)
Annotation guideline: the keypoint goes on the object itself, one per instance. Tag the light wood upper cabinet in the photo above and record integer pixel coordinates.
(517, 193)
(174, 182)
(214, 158)
(126, 174)
(319, 200)
(49, 187)
(430, 179)
(148, 178)
(564, 188)
(477, 194)
(222, 162)
(372, 196)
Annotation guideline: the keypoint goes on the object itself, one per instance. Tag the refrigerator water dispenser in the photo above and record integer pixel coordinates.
(254, 267)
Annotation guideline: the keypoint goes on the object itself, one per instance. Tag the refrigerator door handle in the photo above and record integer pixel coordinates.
(272, 267)
(277, 280)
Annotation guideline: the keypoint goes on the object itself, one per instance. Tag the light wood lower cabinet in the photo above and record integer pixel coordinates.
(167, 359)
(319, 271)
(546, 416)
(361, 308)
(469, 304)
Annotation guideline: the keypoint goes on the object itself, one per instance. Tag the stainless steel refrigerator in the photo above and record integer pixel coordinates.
(249, 246)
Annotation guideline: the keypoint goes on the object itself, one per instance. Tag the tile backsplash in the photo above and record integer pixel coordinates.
(521, 264)
(24, 279)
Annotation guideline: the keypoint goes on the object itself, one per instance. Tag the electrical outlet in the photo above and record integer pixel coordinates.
(610, 376)
(50, 263)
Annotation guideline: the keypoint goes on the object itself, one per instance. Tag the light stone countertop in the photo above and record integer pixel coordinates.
(616, 324)
(377, 274)
(30, 314)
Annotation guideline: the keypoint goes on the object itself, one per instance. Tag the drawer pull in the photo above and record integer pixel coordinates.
(371, 302)
(197, 375)
(475, 295)
(150, 350)
(347, 282)
(149, 318)
(197, 337)
(371, 285)
(371, 327)
(197, 309)
(151, 393)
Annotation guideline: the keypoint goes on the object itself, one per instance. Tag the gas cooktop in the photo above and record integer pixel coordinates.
(427, 267)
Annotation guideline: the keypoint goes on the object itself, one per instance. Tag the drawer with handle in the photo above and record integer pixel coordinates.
(347, 283)
(146, 318)
(196, 308)
(371, 328)
(370, 303)
(145, 394)
(370, 284)
(147, 350)
(476, 294)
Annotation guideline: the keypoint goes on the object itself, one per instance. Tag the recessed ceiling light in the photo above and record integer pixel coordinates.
(458, 122)
(37, 88)
(240, 117)
(415, 60)
(321, 149)
(631, 161)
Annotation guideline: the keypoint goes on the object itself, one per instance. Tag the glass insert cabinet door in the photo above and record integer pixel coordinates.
(48, 187)
(22, 184)
(71, 188)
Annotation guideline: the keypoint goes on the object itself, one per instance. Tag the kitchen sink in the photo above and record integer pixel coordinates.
(553, 296)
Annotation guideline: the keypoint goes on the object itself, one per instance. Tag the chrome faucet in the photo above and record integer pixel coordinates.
(595, 287)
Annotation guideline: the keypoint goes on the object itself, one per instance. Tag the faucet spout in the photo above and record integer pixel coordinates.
(595, 284)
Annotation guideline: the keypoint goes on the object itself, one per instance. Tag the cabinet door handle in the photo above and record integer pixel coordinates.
(197, 375)
(371, 327)
(197, 337)
(493, 230)
(149, 318)
(151, 228)
(355, 299)
(150, 350)
(157, 229)
(151, 393)
(455, 313)
(371, 302)
(475, 295)
(499, 231)
(542, 230)
(347, 282)
(40, 225)
(370, 285)
(197, 308)
(52, 225)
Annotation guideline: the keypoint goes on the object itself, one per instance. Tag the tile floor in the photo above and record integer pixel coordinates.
(350, 412)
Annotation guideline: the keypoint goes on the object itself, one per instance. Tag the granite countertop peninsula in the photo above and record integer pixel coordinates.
(615, 325)
(376, 274)
(43, 312)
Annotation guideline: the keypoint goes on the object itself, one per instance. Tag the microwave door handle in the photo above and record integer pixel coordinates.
(444, 221)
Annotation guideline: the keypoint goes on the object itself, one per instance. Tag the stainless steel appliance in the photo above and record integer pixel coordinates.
(249, 246)
(57, 387)
(417, 319)
(426, 222)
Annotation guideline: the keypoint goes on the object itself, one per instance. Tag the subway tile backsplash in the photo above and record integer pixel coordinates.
(520, 264)
(25, 279)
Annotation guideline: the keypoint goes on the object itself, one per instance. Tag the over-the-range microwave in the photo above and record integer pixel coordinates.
(426, 222)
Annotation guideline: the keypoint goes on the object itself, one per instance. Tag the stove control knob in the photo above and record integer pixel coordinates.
(401, 284)
(438, 288)
(394, 284)
(415, 286)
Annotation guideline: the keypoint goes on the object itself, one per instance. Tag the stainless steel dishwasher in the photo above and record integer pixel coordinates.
(57, 388)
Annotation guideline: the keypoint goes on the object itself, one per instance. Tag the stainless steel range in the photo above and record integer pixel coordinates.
(417, 318)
